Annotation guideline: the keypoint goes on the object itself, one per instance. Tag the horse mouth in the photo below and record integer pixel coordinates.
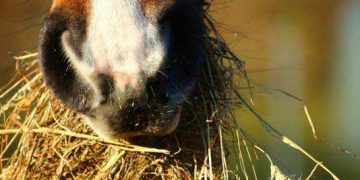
(138, 121)
(161, 125)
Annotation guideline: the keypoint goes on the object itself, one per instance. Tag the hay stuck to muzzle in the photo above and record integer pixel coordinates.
(41, 138)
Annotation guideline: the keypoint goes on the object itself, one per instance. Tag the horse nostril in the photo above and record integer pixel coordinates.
(106, 86)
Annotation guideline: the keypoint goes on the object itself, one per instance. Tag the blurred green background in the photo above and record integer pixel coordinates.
(310, 48)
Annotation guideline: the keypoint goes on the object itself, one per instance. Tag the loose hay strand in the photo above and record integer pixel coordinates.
(126, 147)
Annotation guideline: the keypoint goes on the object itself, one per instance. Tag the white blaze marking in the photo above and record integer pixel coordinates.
(120, 40)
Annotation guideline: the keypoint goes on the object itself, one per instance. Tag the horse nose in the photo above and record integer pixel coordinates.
(124, 83)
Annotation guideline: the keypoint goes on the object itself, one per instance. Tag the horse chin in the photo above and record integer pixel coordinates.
(159, 127)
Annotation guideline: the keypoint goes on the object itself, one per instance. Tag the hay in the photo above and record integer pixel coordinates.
(42, 139)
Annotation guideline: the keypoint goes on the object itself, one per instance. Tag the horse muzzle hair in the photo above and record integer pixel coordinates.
(126, 66)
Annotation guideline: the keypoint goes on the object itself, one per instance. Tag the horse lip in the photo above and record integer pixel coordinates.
(164, 129)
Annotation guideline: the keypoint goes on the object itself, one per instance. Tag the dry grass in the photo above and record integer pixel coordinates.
(41, 138)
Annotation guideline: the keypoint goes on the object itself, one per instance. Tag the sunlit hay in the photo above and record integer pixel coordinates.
(41, 138)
